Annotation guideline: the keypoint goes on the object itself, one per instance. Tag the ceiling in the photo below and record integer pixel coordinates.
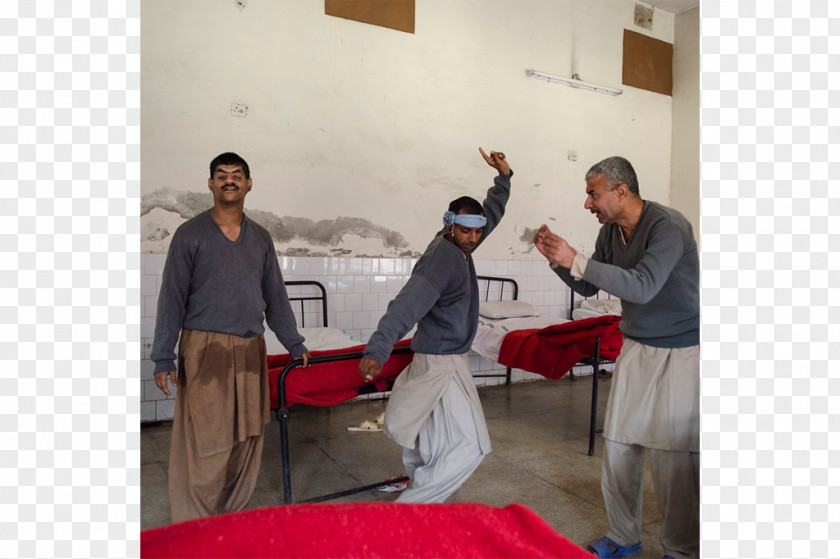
(673, 6)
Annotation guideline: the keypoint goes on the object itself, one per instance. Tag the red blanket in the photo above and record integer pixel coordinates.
(326, 384)
(363, 530)
(553, 351)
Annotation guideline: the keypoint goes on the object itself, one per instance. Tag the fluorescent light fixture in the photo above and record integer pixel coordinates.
(574, 81)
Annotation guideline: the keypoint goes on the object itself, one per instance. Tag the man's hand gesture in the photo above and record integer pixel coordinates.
(496, 159)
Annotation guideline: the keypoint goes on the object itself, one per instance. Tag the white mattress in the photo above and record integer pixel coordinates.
(317, 339)
(491, 332)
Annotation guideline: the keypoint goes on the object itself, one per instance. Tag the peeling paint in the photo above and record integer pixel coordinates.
(166, 208)
(527, 238)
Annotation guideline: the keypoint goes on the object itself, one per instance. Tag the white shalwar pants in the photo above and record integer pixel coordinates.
(447, 450)
(654, 404)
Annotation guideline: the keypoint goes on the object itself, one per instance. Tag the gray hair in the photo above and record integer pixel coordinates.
(618, 171)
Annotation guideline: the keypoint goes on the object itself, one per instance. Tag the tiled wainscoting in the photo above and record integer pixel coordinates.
(358, 293)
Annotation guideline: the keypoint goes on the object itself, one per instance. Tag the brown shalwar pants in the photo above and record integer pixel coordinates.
(221, 408)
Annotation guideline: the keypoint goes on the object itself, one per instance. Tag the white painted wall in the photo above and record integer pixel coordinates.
(349, 119)
(685, 151)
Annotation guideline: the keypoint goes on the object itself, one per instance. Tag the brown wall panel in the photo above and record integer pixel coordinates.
(394, 14)
(647, 63)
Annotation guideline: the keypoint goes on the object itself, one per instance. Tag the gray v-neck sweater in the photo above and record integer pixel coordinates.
(213, 284)
(441, 296)
(656, 275)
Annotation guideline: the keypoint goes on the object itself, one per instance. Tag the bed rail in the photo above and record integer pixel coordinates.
(506, 286)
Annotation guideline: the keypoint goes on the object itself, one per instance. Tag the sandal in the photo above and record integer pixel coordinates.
(605, 547)
(367, 425)
(395, 487)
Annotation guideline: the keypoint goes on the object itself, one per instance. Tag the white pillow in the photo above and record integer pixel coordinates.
(317, 339)
(506, 309)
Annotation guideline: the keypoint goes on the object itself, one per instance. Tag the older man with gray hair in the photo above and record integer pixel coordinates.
(646, 255)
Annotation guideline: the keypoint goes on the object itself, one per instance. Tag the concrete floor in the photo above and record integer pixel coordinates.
(539, 432)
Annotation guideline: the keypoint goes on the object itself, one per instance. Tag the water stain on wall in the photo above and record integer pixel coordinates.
(163, 210)
(527, 237)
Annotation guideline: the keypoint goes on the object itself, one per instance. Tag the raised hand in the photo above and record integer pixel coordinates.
(496, 159)
(554, 248)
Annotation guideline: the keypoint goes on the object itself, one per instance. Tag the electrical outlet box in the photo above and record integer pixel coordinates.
(238, 109)
(572, 155)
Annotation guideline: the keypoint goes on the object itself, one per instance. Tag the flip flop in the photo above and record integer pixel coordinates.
(607, 548)
(366, 425)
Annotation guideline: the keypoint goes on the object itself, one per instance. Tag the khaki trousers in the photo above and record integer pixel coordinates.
(221, 409)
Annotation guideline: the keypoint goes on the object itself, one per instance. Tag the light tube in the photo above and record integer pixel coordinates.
(572, 82)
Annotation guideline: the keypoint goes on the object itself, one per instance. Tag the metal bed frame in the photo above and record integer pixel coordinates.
(595, 361)
(283, 413)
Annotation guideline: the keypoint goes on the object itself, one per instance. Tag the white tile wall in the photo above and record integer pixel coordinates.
(358, 292)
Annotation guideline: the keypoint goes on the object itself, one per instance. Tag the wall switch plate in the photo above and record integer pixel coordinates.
(238, 109)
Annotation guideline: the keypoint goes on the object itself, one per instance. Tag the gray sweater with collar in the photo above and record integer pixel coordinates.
(441, 296)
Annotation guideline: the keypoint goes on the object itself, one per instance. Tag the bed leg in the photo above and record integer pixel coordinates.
(283, 417)
(594, 411)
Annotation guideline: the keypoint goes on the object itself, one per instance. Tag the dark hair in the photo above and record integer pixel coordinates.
(229, 158)
(465, 202)
(618, 171)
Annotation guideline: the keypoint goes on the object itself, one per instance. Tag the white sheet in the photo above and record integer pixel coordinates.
(597, 307)
(490, 333)
(316, 339)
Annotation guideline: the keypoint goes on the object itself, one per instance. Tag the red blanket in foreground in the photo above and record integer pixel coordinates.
(553, 351)
(326, 384)
(363, 530)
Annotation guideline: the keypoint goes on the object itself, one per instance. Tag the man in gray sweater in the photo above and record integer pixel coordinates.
(434, 411)
(220, 279)
(647, 256)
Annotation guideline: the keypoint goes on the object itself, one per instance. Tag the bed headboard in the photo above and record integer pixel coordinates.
(500, 289)
(301, 291)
